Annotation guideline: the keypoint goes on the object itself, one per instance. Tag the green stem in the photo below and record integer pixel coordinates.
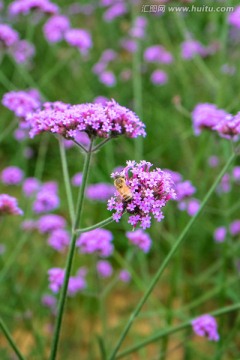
(70, 257)
(97, 147)
(172, 330)
(67, 180)
(79, 145)
(168, 258)
(96, 226)
(10, 340)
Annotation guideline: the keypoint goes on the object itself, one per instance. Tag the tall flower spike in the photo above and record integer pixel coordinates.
(104, 121)
(150, 192)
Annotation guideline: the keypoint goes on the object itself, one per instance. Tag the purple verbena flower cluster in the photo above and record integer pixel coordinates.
(12, 175)
(22, 103)
(124, 276)
(206, 325)
(79, 38)
(184, 192)
(115, 10)
(95, 119)
(46, 199)
(150, 191)
(59, 239)
(8, 36)
(104, 268)
(9, 205)
(159, 77)
(96, 241)
(100, 68)
(23, 51)
(206, 116)
(26, 6)
(158, 54)
(76, 283)
(234, 17)
(55, 28)
(49, 223)
(140, 239)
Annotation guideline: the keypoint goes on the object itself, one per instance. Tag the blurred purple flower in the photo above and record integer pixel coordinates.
(50, 222)
(140, 239)
(29, 225)
(234, 17)
(107, 78)
(55, 28)
(79, 38)
(234, 228)
(108, 55)
(150, 190)
(12, 175)
(9, 205)
(56, 277)
(96, 241)
(236, 173)
(213, 161)
(45, 201)
(30, 186)
(23, 51)
(100, 191)
(159, 77)
(124, 276)
(2, 249)
(220, 234)
(229, 127)
(206, 116)
(77, 283)
(138, 29)
(104, 268)
(100, 100)
(158, 54)
(95, 119)
(49, 301)
(116, 10)
(77, 179)
(206, 325)
(184, 190)
(21, 102)
(26, 6)
(129, 45)
(190, 48)
(59, 239)
(193, 206)
(225, 184)
(8, 36)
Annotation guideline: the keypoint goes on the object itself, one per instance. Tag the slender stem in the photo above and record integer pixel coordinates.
(96, 226)
(172, 330)
(10, 340)
(78, 144)
(67, 180)
(70, 257)
(97, 147)
(168, 258)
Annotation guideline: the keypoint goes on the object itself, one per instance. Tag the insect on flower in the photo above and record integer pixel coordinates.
(122, 188)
